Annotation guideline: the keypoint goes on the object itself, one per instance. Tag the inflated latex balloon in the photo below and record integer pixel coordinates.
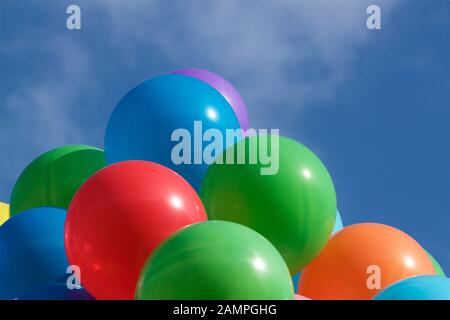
(437, 267)
(164, 120)
(55, 291)
(294, 207)
(417, 288)
(299, 297)
(338, 225)
(361, 258)
(31, 250)
(4, 212)
(295, 280)
(119, 216)
(52, 179)
(215, 260)
(225, 88)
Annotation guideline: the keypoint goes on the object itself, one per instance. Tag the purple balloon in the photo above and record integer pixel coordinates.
(224, 87)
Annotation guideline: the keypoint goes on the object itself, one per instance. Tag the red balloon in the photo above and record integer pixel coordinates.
(118, 217)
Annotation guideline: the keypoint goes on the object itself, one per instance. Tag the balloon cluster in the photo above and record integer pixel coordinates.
(132, 223)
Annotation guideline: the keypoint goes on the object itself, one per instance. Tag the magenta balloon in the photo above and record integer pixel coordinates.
(224, 87)
(300, 297)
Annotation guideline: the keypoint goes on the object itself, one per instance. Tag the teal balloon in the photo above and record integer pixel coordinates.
(417, 288)
(32, 250)
(155, 122)
(338, 225)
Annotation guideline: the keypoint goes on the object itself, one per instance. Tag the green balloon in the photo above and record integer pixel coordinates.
(295, 208)
(437, 267)
(52, 179)
(215, 260)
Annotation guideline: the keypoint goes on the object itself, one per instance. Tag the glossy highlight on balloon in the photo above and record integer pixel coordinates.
(159, 114)
(52, 179)
(119, 216)
(31, 250)
(225, 88)
(295, 208)
(350, 263)
(215, 260)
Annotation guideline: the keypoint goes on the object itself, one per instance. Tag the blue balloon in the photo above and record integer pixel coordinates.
(56, 291)
(338, 225)
(417, 288)
(143, 124)
(295, 279)
(32, 250)
(63, 278)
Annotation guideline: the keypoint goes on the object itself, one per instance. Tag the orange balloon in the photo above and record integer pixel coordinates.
(361, 260)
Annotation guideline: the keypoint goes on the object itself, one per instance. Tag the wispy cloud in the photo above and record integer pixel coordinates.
(283, 56)
(39, 115)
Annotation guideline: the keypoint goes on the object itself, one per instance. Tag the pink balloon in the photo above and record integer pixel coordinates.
(300, 297)
(225, 88)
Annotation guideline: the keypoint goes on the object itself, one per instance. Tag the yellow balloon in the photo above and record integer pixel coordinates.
(4, 212)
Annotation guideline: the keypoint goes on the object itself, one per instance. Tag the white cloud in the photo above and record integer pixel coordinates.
(38, 115)
(282, 55)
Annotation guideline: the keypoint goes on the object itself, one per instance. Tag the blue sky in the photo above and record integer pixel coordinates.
(374, 105)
